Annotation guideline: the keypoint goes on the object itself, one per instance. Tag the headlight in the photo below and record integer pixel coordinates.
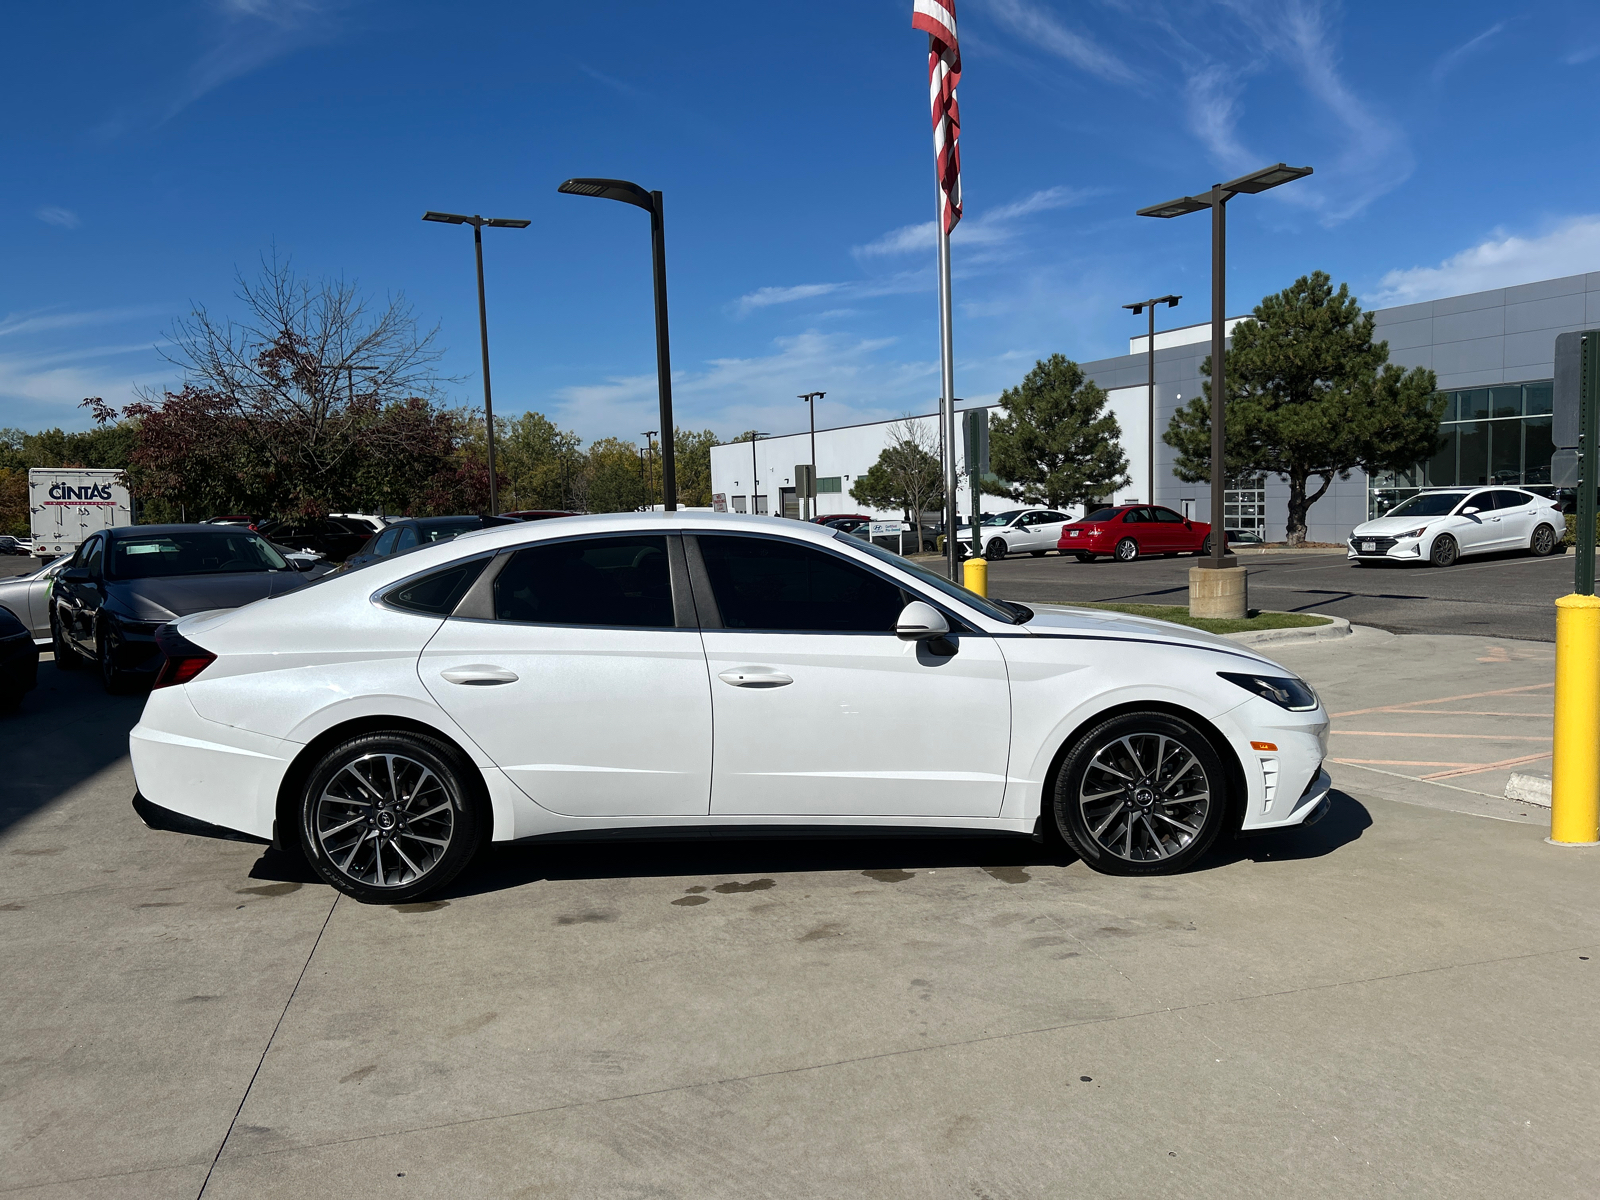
(1417, 532)
(1284, 691)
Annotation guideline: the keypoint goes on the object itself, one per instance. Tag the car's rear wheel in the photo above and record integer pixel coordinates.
(1445, 551)
(1543, 542)
(1082, 557)
(67, 659)
(996, 549)
(1143, 793)
(1127, 550)
(389, 817)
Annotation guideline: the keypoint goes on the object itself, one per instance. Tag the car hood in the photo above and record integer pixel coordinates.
(1062, 619)
(164, 599)
(1392, 526)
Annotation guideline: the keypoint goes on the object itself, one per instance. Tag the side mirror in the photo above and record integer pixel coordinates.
(75, 574)
(919, 621)
(1467, 512)
(302, 564)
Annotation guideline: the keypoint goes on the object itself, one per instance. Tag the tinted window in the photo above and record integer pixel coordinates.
(407, 539)
(229, 550)
(93, 559)
(1134, 516)
(1167, 515)
(1510, 499)
(1053, 517)
(763, 583)
(1004, 518)
(384, 543)
(439, 593)
(1482, 501)
(591, 581)
(1102, 514)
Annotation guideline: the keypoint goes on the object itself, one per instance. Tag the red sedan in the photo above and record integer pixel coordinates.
(1129, 530)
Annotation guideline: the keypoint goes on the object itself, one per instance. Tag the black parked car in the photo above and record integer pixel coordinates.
(332, 537)
(19, 661)
(123, 584)
(410, 533)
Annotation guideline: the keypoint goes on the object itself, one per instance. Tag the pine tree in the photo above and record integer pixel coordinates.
(1056, 445)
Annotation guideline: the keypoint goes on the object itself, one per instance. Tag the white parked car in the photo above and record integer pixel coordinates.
(1438, 527)
(1021, 530)
(566, 678)
(27, 597)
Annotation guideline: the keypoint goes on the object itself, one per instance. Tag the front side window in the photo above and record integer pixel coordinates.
(614, 581)
(1005, 518)
(768, 584)
(384, 545)
(1168, 516)
(1482, 501)
(92, 559)
(407, 539)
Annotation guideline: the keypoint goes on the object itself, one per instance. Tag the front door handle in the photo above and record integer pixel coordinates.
(479, 675)
(756, 677)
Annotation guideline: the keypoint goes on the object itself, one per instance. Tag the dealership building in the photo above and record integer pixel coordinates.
(1493, 353)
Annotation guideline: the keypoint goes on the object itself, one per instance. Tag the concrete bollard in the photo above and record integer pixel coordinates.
(975, 575)
(1218, 593)
(1575, 772)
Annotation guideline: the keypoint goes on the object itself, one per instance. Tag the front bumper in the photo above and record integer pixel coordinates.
(19, 665)
(1387, 549)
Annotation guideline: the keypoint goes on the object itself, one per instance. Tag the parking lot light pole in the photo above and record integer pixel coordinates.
(650, 458)
(1223, 596)
(811, 399)
(477, 224)
(631, 193)
(1150, 394)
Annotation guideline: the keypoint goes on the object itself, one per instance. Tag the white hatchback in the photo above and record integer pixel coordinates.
(1438, 527)
(656, 672)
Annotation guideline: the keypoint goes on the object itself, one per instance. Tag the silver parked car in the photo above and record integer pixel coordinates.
(27, 597)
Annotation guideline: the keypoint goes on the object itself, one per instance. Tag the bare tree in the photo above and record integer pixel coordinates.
(907, 475)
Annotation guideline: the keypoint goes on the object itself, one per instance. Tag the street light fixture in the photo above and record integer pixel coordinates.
(1150, 394)
(631, 193)
(1216, 200)
(811, 399)
(477, 224)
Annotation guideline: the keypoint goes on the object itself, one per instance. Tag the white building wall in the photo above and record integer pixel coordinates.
(1131, 407)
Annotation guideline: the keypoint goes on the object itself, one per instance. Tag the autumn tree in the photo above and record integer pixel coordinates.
(1310, 396)
(1056, 445)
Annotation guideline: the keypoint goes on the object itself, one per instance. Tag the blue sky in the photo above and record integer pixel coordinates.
(152, 151)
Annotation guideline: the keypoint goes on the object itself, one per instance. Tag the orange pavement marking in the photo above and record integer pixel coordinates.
(1532, 687)
(1471, 769)
(1476, 737)
(1391, 762)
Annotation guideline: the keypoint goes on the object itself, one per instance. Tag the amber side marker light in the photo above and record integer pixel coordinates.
(1263, 745)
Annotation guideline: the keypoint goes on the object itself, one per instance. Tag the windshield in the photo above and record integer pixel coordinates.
(988, 608)
(227, 550)
(1004, 518)
(1102, 514)
(1429, 504)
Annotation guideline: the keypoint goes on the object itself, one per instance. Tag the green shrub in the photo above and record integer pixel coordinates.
(1572, 530)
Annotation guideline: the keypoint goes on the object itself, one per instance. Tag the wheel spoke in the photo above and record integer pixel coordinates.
(328, 833)
(437, 808)
(416, 871)
(417, 837)
(1191, 830)
(1102, 795)
(345, 865)
(1112, 816)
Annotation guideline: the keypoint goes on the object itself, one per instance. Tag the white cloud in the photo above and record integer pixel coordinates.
(54, 214)
(768, 296)
(901, 241)
(1212, 93)
(1579, 57)
(1040, 27)
(991, 227)
(1503, 260)
(1454, 58)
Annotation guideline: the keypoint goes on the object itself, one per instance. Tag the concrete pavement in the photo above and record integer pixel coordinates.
(1397, 1001)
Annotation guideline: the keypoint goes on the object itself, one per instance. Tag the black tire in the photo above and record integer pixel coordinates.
(67, 659)
(113, 678)
(1082, 557)
(1445, 551)
(1127, 550)
(1132, 825)
(433, 797)
(995, 550)
(1036, 553)
(1205, 548)
(1543, 542)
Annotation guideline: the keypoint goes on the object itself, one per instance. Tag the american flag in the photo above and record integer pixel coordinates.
(937, 18)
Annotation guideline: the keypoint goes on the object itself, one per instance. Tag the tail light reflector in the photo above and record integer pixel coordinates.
(181, 661)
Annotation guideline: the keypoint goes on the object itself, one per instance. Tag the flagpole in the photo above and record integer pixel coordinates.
(947, 401)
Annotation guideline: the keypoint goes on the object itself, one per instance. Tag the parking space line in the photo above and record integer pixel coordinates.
(1473, 769)
(1475, 737)
(1389, 708)
(1396, 762)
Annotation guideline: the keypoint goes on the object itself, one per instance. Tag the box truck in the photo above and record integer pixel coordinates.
(69, 503)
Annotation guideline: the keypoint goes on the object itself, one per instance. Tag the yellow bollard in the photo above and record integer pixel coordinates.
(1575, 775)
(975, 575)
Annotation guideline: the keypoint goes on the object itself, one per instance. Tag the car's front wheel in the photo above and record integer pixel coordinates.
(67, 659)
(996, 549)
(389, 817)
(1082, 557)
(1127, 550)
(113, 677)
(1543, 542)
(1142, 793)
(1445, 551)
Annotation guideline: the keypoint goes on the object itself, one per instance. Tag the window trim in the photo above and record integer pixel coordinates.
(706, 601)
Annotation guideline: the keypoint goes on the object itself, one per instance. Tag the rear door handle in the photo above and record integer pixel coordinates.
(756, 677)
(478, 675)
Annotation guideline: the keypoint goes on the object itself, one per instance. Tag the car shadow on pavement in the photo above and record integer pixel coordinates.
(1347, 819)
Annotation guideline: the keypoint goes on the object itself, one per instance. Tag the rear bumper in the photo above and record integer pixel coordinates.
(169, 821)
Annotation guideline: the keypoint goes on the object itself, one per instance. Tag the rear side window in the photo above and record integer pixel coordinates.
(1509, 499)
(616, 581)
(437, 594)
(763, 583)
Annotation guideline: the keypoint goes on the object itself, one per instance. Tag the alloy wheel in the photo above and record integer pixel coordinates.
(1127, 550)
(1544, 541)
(1144, 797)
(384, 820)
(996, 549)
(1445, 551)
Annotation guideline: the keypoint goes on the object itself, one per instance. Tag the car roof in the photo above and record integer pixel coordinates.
(123, 531)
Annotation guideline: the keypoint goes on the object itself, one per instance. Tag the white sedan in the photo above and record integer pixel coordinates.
(661, 671)
(1438, 527)
(1026, 530)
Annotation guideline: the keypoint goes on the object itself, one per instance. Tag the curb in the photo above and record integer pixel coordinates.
(1530, 789)
(1338, 628)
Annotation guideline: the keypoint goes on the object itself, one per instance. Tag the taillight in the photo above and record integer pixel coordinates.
(182, 660)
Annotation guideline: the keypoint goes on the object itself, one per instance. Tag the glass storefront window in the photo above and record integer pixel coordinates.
(1473, 465)
(1505, 402)
(1538, 448)
(1472, 405)
(1537, 397)
(1442, 466)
